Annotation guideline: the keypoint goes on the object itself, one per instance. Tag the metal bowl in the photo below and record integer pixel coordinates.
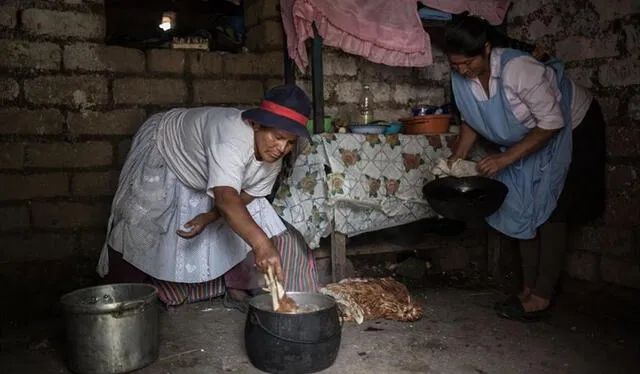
(465, 198)
(367, 129)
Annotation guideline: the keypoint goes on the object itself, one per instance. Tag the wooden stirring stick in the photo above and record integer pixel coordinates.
(272, 288)
(281, 302)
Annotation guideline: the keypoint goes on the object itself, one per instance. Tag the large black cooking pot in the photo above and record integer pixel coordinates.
(465, 198)
(299, 343)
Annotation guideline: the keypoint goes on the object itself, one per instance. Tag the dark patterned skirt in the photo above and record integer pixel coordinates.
(583, 197)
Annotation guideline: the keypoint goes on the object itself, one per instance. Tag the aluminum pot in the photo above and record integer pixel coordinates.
(111, 328)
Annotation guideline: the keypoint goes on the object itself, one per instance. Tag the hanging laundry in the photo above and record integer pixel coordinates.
(385, 32)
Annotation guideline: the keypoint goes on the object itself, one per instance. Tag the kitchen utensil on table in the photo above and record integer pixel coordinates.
(465, 198)
(111, 328)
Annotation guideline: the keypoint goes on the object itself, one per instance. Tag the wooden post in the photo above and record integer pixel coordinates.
(289, 65)
(338, 255)
(494, 249)
(317, 83)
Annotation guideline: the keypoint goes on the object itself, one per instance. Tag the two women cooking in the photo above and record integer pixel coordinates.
(212, 167)
(551, 137)
(190, 213)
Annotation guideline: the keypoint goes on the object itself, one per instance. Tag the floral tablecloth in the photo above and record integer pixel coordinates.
(360, 182)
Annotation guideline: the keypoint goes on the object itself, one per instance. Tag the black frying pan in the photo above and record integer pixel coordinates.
(465, 198)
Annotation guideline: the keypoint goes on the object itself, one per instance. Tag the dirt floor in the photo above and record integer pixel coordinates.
(459, 333)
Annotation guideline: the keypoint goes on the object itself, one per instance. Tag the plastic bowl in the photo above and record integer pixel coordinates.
(394, 128)
(431, 124)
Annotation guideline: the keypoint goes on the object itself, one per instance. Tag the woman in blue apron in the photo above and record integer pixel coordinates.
(550, 133)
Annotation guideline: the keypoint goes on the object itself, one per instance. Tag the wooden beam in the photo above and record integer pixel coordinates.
(289, 65)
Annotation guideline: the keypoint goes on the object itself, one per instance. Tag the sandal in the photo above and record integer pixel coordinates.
(513, 299)
(517, 313)
(231, 303)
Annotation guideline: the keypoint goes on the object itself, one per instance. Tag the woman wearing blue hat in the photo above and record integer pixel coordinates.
(190, 212)
(550, 132)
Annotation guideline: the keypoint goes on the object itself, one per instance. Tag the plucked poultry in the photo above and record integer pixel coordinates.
(364, 299)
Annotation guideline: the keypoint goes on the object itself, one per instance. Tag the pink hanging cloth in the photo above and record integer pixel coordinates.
(382, 31)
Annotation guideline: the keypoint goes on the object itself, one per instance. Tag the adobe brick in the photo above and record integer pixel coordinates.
(103, 183)
(75, 91)
(9, 89)
(98, 57)
(620, 272)
(623, 141)
(115, 122)
(149, 91)
(25, 121)
(63, 24)
(11, 156)
(262, 64)
(93, 153)
(8, 15)
(604, 240)
(68, 215)
(30, 55)
(622, 209)
(166, 61)
(583, 265)
(205, 63)
(14, 218)
(620, 177)
(227, 91)
(23, 187)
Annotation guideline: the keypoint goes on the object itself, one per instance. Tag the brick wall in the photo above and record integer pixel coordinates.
(602, 51)
(69, 107)
(395, 89)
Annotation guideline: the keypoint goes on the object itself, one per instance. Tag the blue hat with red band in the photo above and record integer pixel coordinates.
(285, 107)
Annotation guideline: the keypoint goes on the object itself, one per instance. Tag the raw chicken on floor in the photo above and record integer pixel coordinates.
(364, 299)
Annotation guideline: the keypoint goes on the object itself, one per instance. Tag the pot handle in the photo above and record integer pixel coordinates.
(128, 306)
(131, 305)
(256, 321)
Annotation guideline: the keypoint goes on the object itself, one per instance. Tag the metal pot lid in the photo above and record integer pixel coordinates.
(109, 298)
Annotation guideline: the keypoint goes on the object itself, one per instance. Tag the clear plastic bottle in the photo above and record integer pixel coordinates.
(365, 105)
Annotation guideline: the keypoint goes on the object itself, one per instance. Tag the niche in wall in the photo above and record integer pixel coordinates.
(202, 24)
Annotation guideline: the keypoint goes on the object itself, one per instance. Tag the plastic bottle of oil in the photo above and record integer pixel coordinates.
(365, 105)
